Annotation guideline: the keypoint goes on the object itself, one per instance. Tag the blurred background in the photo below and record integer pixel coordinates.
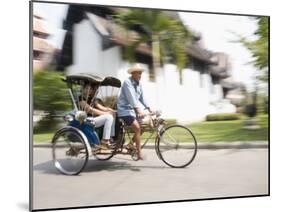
(205, 70)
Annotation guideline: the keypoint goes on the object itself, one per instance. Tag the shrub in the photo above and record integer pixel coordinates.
(222, 116)
(251, 110)
(51, 96)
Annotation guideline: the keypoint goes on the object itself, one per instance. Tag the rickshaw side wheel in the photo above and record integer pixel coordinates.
(70, 151)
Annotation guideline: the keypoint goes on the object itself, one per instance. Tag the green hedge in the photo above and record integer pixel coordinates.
(51, 96)
(222, 116)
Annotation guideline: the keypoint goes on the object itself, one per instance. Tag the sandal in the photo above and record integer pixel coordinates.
(100, 147)
(105, 142)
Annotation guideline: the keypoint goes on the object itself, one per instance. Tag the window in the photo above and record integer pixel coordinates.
(39, 35)
(37, 55)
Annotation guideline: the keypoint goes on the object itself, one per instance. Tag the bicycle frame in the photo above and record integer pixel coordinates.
(157, 129)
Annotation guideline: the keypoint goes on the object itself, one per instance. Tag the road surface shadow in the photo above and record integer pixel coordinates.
(97, 165)
(46, 167)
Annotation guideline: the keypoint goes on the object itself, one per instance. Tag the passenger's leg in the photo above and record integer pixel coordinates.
(113, 126)
(107, 121)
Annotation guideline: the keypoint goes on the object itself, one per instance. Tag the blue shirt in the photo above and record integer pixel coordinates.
(131, 96)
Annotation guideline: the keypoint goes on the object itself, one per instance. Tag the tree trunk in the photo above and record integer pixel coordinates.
(180, 76)
(155, 54)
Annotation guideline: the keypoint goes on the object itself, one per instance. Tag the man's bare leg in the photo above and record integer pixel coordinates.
(137, 136)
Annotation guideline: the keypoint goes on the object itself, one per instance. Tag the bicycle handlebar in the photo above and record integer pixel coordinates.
(155, 113)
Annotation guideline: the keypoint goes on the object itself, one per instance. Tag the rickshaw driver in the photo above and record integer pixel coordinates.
(102, 115)
(130, 101)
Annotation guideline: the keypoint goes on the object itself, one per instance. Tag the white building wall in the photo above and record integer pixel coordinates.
(188, 102)
(88, 54)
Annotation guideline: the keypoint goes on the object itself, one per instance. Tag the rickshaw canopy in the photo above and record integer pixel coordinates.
(83, 78)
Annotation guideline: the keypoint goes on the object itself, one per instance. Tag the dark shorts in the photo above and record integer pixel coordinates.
(128, 119)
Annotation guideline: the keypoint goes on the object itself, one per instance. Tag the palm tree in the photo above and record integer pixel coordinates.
(167, 36)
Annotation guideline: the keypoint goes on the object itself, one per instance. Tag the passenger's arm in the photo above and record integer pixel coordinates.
(94, 111)
(104, 109)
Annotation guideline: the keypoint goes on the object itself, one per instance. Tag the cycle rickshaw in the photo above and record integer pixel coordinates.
(73, 144)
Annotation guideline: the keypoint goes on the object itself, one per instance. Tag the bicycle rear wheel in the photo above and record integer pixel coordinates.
(177, 146)
(106, 154)
(70, 153)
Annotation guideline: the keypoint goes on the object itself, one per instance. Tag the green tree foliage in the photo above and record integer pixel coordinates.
(259, 50)
(50, 95)
(259, 47)
(168, 36)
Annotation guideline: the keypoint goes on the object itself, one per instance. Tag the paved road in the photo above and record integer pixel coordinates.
(214, 173)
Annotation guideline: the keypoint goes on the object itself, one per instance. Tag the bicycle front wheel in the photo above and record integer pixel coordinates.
(177, 146)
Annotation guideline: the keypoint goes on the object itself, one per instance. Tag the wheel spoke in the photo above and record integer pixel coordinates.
(169, 144)
(171, 137)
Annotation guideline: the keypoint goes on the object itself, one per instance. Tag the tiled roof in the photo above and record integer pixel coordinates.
(38, 26)
(42, 45)
(117, 33)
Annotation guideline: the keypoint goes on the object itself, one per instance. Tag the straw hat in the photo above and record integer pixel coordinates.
(136, 67)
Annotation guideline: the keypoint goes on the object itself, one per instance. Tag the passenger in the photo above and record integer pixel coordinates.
(103, 116)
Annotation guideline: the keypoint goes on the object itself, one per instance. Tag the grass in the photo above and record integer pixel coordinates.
(230, 130)
(43, 137)
(209, 131)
